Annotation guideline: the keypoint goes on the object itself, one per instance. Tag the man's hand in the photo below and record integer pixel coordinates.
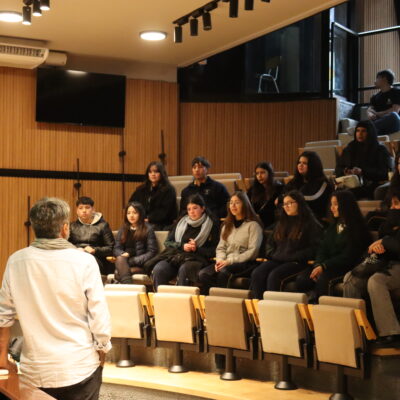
(102, 358)
(89, 250)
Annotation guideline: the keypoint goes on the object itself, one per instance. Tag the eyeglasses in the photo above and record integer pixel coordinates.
(289, 203)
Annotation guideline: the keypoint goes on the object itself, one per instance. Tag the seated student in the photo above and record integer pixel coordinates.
(92, 234)
(344, 242)
(264, 192)
(293, 242)
(214, 193)
(240, 241)
(136, 243)
(385, 105)
(189, 246)
(157, 196)
(367, 158)
(310, 180)
(383, 276)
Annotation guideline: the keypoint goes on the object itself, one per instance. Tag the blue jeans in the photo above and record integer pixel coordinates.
(388, 124)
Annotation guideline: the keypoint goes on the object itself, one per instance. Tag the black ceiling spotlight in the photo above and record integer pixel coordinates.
(249, 5)
(266, 1)
(45, 5)
(233, 8)
(207, 21)
(178, 34)
(194, 27)
(36, 11)
(26, 15)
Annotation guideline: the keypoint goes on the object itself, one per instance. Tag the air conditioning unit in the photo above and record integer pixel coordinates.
(21, 56)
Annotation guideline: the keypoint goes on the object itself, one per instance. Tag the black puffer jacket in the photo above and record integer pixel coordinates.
(139, 250)
(159, 204)
(97, 235)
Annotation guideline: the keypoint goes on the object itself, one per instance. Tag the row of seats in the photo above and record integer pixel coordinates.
(330, 336)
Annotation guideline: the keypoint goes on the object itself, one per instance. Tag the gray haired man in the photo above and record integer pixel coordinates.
(57, 293)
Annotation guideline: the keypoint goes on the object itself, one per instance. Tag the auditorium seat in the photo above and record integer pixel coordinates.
(327, 154)
(176, 324)
(228, 329)
(280, 312)
(341, 330)
(333, 142)
(369, 205)
(126, 318)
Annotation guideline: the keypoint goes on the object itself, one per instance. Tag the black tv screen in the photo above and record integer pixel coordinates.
(78, 97)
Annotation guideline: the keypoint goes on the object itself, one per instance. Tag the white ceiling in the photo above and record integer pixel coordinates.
(110, 28)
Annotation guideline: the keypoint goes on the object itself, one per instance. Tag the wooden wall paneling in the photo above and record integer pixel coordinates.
(378, 51)
(26, 144)
(235, 136)
(13, 213)
(151, 107)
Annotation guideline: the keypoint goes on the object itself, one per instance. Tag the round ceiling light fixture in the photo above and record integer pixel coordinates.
(153, 35)
(10, 16)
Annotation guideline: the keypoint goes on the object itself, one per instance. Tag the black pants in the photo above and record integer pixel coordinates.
(123, 270)
(208, 277)
(269, 276)
(187, 273)
(321, 286)
(88, 389)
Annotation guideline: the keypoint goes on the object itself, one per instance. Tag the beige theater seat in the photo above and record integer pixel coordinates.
(341, 330)
(228, 327)
(127, 318)
(176, 322)
(369, 205)
(327, 154)
(280, 312)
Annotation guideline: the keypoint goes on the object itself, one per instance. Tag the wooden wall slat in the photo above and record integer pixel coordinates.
(26, 144)
(234, 137)
(378, 51)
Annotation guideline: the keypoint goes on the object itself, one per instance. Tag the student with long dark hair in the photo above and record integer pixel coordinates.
(189, 245)
(310, 180)
(367, 158)
(240, 241)
(157, 196)
(293, 242)
(136, 243)
(342, 247)
(264, 191)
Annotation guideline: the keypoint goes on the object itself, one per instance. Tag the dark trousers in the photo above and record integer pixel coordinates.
(88, 389)
(321, 286)
(187, 273)
(269, 276)
(123, 270)
(208, 277)
(104, 266)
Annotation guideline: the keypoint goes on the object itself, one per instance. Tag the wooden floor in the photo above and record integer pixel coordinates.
(201, 384)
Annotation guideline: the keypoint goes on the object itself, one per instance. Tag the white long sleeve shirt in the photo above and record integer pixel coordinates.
(59, 299)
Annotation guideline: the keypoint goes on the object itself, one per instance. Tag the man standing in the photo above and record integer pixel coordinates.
(57, 293)
(214, 193)
(385, 105)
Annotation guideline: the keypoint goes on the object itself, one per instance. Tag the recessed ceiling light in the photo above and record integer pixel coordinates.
(153, 35)
(10, 16)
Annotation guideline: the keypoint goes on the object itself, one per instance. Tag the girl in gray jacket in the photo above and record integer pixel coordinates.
(240, 242)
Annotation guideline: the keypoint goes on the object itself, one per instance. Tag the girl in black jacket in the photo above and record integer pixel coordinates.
(293, 242)
(344, 242)
(367, 158)
(264, 192)
(310, 180)
(136, 243)
(158, 197)
(189, 246)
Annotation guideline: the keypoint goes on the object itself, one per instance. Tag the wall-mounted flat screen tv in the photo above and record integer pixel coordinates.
(82, 98)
